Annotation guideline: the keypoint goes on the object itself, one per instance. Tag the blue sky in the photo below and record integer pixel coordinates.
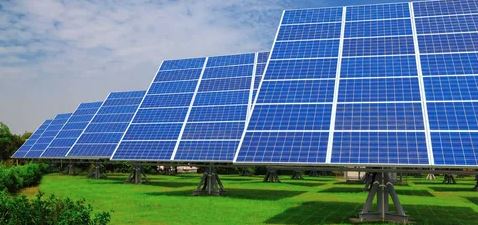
(56, 54)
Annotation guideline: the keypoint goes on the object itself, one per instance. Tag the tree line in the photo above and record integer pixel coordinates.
(10, 142)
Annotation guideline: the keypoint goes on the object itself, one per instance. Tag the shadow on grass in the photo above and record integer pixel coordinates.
(238, 179)
(151, 182)
(304, 183)
(255, 194)
(316, 213)
(474, 200)
(452, 189)
(426, 183)
(359, 189)
(338, 212)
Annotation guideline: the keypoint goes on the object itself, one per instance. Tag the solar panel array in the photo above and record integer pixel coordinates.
(195, 110)
(103, 133)
(214, 126)
(72, 129)
(48, 135)
(447, 33)
(157, 124)
(385, 84)
(22, 151)
(391, 84)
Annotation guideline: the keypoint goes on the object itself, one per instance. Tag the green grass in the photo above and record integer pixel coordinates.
(322, 200)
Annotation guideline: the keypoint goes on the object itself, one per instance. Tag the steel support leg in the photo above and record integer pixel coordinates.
(314, 173)
(271, 176)
(382, 188)
(297, 175)
(210, 183)
(448, 179)
(431, 176)
(70, 169)
(137, 175)
(476, 185)
(97, 170)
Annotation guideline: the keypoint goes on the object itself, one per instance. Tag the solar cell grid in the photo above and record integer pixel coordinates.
(157, 124)
(48, 135)
(212, 131)
(378, 28)
(69, 133)
(449, 62)
(309, 31)
(378, 12)
(20, 153)
(305, 49)
(448, 7)
(447, 24)
(107, 127)
(322, 15)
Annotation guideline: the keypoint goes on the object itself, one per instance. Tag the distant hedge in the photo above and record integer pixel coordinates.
(14, 178)
(48, 211)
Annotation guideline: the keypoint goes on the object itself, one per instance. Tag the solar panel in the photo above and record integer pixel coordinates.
(157, 124)
(72, 130)
(108, 124)
(20, 153)
(194, 111)
(217, 117)
(447, 34)
(48, 135)
(390, 84)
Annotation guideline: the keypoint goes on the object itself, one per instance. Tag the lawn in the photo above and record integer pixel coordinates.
(315, 200)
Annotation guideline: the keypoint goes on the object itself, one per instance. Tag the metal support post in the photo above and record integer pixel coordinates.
(271, 176)
(448, 179)
(382, 188)
(297, 175)
(314, 173)
(137, 175)
(210, 183)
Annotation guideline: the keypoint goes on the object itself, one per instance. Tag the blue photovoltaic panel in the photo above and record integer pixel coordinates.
(20, 153)
(276, 147)
(451, 88)
(260, 69)
(291, 115)
(450, 68)
(379, 117)
(447, 24)
(322, 15)
(376, 90)
(378, 28)
(72, 130)
(301, 69)
(405, 148)
(467, 42)
(309, 31)
(297, 91)
(381, 66)
(453, 115)
(107, 127)
(445, 8)
(455, 148)
(378, 103)
(378, 12)
(156, 126)
(450, 64)
(48, 135)
(213, 130)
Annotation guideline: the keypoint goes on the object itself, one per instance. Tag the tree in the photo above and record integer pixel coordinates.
(9, 142)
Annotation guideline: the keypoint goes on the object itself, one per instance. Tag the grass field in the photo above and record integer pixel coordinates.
(321, 200)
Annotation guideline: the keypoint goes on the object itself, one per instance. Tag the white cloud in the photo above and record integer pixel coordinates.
(56, 54)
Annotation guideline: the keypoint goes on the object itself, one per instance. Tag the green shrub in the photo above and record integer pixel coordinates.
(14, 178)
(48, 211)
